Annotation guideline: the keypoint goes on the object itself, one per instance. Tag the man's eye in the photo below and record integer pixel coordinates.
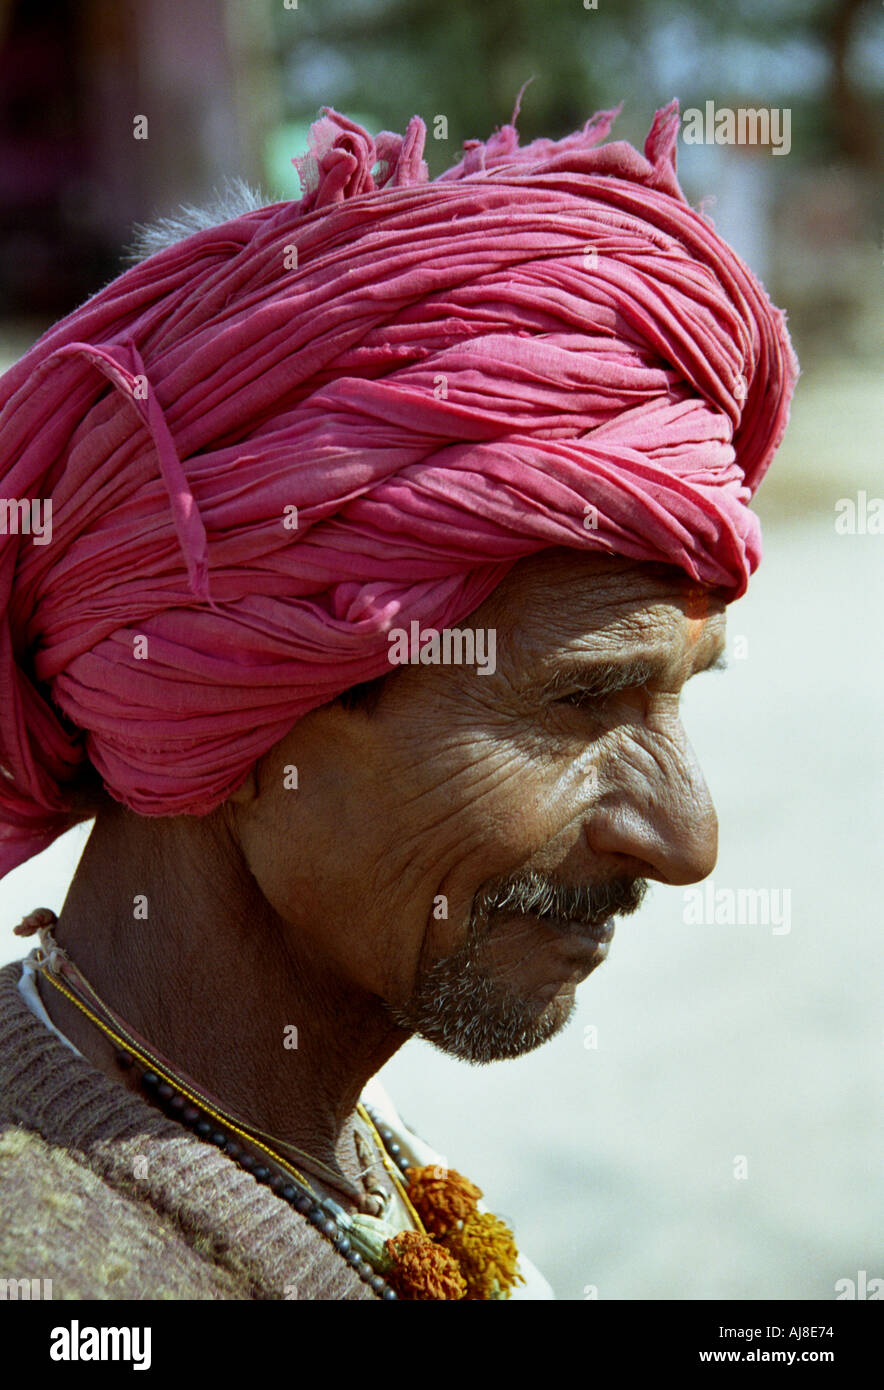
(584, 696)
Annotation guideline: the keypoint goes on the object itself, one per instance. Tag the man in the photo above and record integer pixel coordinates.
(536, 394)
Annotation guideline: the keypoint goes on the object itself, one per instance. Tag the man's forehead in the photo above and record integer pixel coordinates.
(594, 586)
(659, 635)
(566, 603)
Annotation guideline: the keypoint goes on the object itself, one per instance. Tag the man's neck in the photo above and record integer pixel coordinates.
(209, 975)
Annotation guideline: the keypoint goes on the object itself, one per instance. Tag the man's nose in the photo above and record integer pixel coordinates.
(658, 814)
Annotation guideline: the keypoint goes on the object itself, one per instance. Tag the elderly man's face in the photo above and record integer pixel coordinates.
(459, 851)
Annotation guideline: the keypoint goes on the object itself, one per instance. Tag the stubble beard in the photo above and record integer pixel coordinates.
(462, 1009)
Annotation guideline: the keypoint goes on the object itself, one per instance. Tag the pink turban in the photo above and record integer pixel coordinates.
(544, 347)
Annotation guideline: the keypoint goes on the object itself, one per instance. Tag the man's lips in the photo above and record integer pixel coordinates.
(600, 933)
(580, 942)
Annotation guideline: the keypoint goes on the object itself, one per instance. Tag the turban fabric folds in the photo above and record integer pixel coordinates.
(271, 443)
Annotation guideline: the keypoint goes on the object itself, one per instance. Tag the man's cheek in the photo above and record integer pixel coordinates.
(470, 795)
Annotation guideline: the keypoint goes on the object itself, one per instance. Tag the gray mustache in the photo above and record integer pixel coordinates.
(584, 905)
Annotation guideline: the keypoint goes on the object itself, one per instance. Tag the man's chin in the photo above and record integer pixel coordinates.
(481, 1021)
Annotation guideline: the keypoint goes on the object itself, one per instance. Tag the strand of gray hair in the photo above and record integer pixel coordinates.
(232, 200)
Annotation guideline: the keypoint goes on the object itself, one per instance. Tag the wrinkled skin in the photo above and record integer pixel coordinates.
(323, 906)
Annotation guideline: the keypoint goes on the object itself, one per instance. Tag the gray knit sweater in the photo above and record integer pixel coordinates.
(191, 1224)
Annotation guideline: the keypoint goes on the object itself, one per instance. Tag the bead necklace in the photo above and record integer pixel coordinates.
(182, 1101)
(469, 1253)
(56, 965)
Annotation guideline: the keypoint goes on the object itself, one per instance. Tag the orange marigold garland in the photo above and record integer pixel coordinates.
(467, 1253)
(441, 1197)
(422, 1269)
(486, 1253)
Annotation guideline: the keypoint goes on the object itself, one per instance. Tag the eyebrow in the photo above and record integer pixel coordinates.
(606, 677)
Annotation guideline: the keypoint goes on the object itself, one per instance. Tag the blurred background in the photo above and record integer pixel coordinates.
(709, 1125)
